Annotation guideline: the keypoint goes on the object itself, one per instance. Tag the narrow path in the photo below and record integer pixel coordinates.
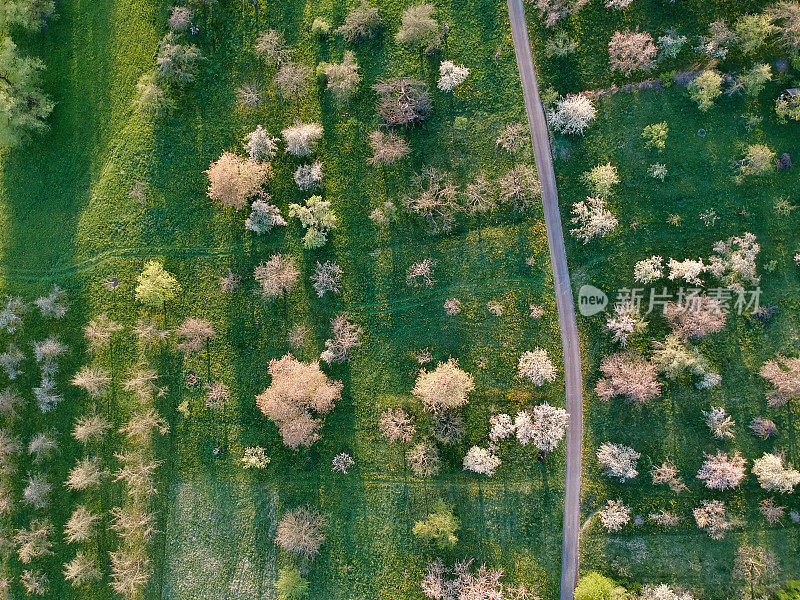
(566, 308)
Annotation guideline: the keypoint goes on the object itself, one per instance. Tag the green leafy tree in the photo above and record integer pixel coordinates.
(655, 135)
(290, 584)
(594, 586)
(155, 286)
(317, 217)
(706, 88)
(23, 105)
(29, 14)
(439, 526)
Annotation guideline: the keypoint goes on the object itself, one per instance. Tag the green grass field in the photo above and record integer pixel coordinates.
(67, 218)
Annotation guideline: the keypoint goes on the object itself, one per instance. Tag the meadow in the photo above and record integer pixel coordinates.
(68, 218)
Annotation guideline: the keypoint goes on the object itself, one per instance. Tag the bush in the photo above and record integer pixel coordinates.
(439, 526)
(596, 587)
(706, 88)
(290, 584)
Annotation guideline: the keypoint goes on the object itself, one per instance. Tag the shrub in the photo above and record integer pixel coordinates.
(446, 387)
(233, 179)
(594, 586)
(290, 585)
(439, 526)
(419, 29)
(705, 88)
(601, 179)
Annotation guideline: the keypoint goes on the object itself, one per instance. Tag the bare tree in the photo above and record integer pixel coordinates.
(396, 425)
(327, 278)
(85, 474)
(771, 511)
(292, 80)
(513, 138)
(271, 47)
(763, 428)
(276, 276)
(94, 380)
(696, 318)
(133, 524)
(448, 426)
(403, 102)
(143, 423)
(37, 492)
(12, 314)
(90, 427)
(520, 187)
(81, 570)
(130, 571)
(34, 542)
(52, 306)
(420, 274)
(343, 78)
(712, 516)
(346, 336)
(667, 473)
(81, 525)
(434, 198)
(784, 374)
(302, 138)
(361, 23)
(756, 567)
(308, 177)
(423, 458)
(194, 334)
(249, 95)
(719, 422)
(10, 360)
(301, 531)
(419, 29)
(387, 148)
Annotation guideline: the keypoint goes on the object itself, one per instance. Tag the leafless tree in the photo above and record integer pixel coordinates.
(419, 29)
(130, 571)
(297, 336)
(763, 428)
(719, 422)
(302, 138)
(387, 148)
(194, 334)
(756, 567)
(712, 516)
(396, 425)
(136, 470)
(81, 570)
(667, 473)
(35, 582)
(696, 318)
(42, 446)
(81, 525)
(10, 360)
(326, 278)
(361, 23)
(346, 336)
(308, 177)
(276, 276)
(513, 138)
(133, 524)
(94, 380)
(37, 492)
(90, 427)
(12, 314)
(85, 474)
(434, 198)
(423, 459)
(403, 102)
(520, 187)
(452, 306)
(34, 542)
(784, 374)
(420, 274)
(52, 305)
(292, 80)
(271, 47)
(554, 10)
(343, 78)
(301, 531)
(148, 333)
(448, 427)
(229, 282)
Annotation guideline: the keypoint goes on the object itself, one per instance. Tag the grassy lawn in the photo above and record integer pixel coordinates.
(67, 218)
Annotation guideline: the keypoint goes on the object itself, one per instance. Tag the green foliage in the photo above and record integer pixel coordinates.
(754, 79)
(155, 285)
(655, 135)
(601, 179)
(705, 88)
(317, 217)
(439, 526)
(787, 107)
(290, 585)
(594, 586)
(752, 31)
(791, 591)
(23, 105)
(28, 14)
(760, 159)
(320, 27)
